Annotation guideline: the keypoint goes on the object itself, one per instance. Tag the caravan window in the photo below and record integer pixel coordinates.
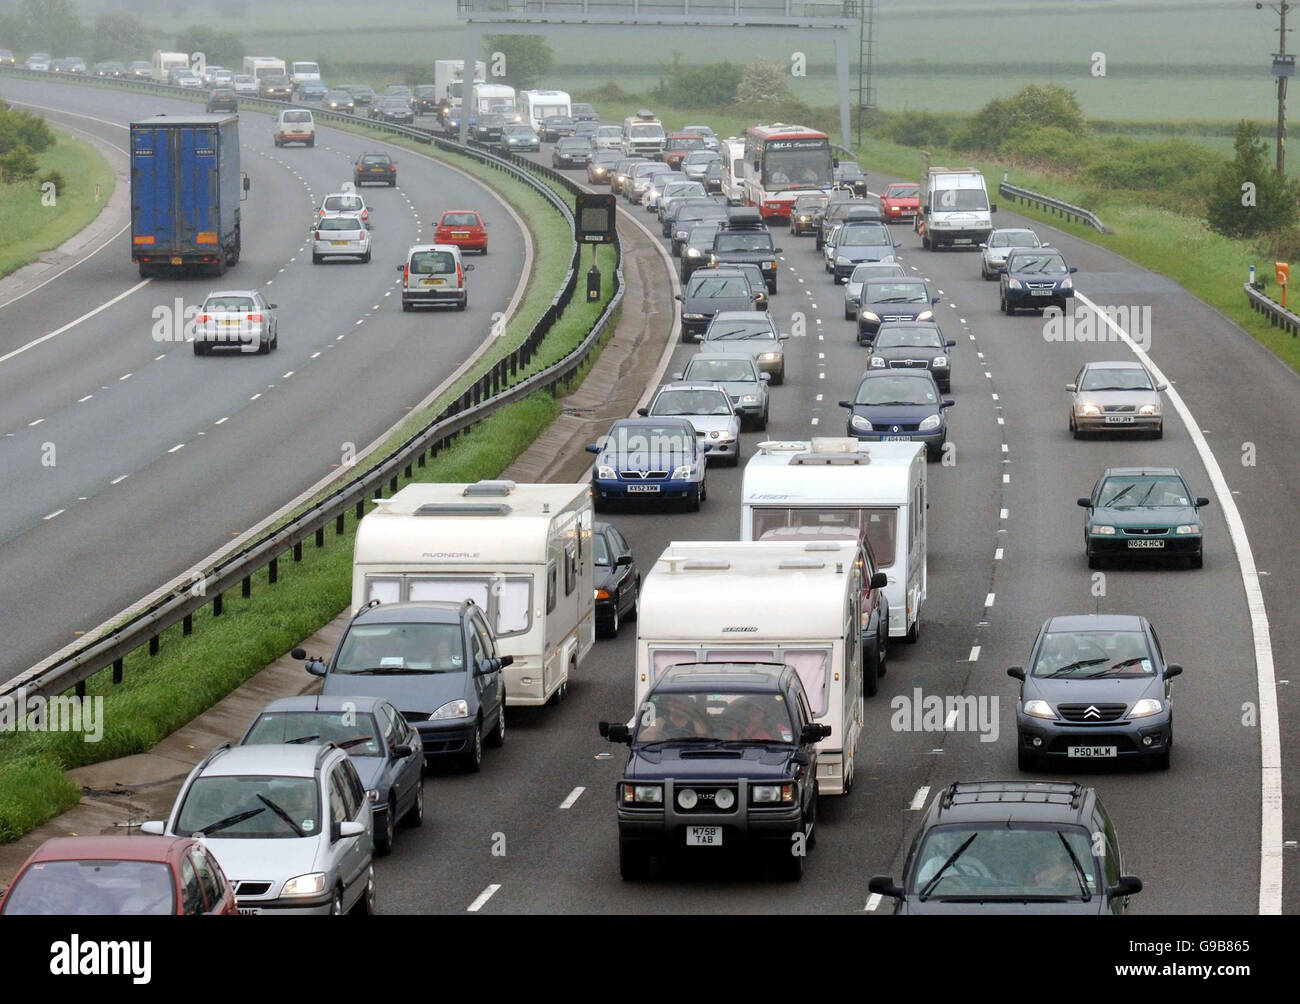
(662, 658)
(812, 665)
(514, 601)
(552, 587)
(453, 589)
(570, 569)
(383, 590)
(740, 655)
(879, 526)
(507, 600)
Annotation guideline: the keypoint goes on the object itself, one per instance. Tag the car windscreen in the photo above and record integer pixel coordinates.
(706, 287)
(865, 272)
(1133, 491)
(877, 526)
(864, 235)
(1093, 655)
(897, 389)
(460, 219)
(655, 440)
(806, 203)
(517, 130)
(884, 291)
(296, 116)
(400, 648)
(739, 370)
(949, 200)
(903, 192)
(1005, 862)
(250, 807)
(375, 159)
(702, 234)
(740, 331)
(644, 131)
(691, 402)
(433, 263)
(1114, 378)
(1037, 264)
(573, 143)
(723, 717)
(741, 241)
(88, 888)
(340, 223)
(701, 157)
(712, 212)
(907, 336)
(1013, 239)
(343, 203)
(355, 731)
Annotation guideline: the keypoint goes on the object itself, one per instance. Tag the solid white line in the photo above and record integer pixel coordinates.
(574, 795)
(1006, 479)
(178, 446)
(1270, 747)
(873, 901)
(55, 513)
(922, 793)
(72, 324)
(974, 654)
(119, 478)
(483, 897)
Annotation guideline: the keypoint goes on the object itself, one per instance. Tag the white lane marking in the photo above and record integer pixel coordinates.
(222, 421)
(1006, 479)
(286, 376)
(997, 555)
(56, 512)
(1270, 746)
(315, 355)
(814, 421)
(124, 376)
(819, 397)
(1004, 447)
(256, 396)
(83, 400)
(988, 600)
(996, 398)
(72, 324)
(163, 356)
(922, 793)
(1002, 514)
(37, 422)
(120, 478)
(483, 897)
(873, 901)
(178, 446)
(1001, 420)
(574, 795)
(974, 654)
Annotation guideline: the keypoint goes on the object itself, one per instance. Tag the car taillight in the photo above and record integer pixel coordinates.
(254, 317)
(460, 276)
(203, 318)
(318, 236)
(392, 167)
(406, 276)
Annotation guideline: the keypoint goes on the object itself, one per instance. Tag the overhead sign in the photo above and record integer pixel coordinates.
(594, 218)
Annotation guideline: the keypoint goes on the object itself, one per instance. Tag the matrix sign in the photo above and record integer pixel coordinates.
(594, 218)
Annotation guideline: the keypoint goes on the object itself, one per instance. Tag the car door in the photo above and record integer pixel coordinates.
(191, 890)
(627, 574)
(349, 855)
(494, 682)
(210, 880)
(396, 770)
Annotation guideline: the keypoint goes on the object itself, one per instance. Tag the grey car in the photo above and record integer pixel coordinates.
(993, 252)
(914, 345)
(708, 291)
(436, 662)
(752, 332)
(695, 163)
(690, 214)
(387, 753)
(1115, 397)
(697, 246)
(739, 376)
(862, 274)
(707, 407)
(290, 826)
(1096, 689)
(859, 243)
(676, 188)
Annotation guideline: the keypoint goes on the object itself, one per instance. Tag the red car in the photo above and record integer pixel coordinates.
(678, 145)
(464, 228)
(901, 200)
(119, 875)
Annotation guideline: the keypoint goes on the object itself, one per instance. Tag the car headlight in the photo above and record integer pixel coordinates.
(1187, 528)
(606, 473)
(1149, 409)
(771, 794)
(860, 423)
(1145, 708)
(305, 885)
(877, 363)
(1090, 409)
(452, 709)
(925, 315)
(687, 798)
(1105, 531)
(682, 473)
(1039, 709)
(692, 317)
(692, 252)
(749, 399)
(601, 170)
(867, 315)
(1014, 284)
(1067, 283)
(930, 422)
(769, 357)
(803, 219)
(769, 264)
(646, 794)
(939, 362)
(724, 799)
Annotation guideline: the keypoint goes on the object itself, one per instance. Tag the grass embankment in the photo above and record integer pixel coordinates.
(31, 225)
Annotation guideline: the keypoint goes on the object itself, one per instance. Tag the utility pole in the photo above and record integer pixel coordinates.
(1283, 68)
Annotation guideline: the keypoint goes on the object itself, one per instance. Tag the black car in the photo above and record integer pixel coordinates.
(713, 178)
(747, 242)
(858, 243)
(584, 113)
(1143, 512)
(393, 108)
(618, 581)
(848, 211)
(1034, 278)
(1030, 847)
(806, 213)
(487, 127)
(893, 299)
(556, 126)
(914, 345)
(222, 99)
(698, 246)
(275, 85)
(372, 168)
(722, 754)
(668, 219)
(849, 175)
(689, 215)
(899, 406)
(426, 99)
(1095, 689)
(708, 291)
(570, 152)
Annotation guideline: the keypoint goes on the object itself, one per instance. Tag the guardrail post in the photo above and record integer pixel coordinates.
(297, 551)
(273, 571)
(361, 508)
(320, 537)
(419, 462)
(80, 688)
(153, 645)
(392, 483)
(187, 625)
(246, 586)
(218, 605)
(117, 670)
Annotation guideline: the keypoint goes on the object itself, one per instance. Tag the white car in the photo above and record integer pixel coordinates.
(238, 318)
(295, 125)
(709, 409)
(344, 202)
(245, 83)
(608, 137)
(993, 252)
(711, 141)
(39, 61)
(340, 235)
(828, 249)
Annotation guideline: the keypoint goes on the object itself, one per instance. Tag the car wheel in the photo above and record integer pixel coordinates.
(871, 675)
(336, 903)
(636, 601)
(789, 865)
(315, 259)
(264, 346)
(914, 632)
(848, 314)
(384, 841)
(762, 423)
(462, 303)
(1026, 762)
(1094, 561)
(734, 459)
(614, 623)
(415, 814)
(1196, 561)
(406, 307)
(882, 647)
(1161, 761)
(772, 289)
(633, 860)
(1159, 433)
(561, 692)
(497, 737)
(473, 760)
(365, 906)
(365, 259)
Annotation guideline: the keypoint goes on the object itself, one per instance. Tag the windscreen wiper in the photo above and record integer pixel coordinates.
(929, 886)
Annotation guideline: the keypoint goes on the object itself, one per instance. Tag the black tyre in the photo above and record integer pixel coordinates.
(336, 903)
(1094, 562)
(1161, 761)
(1196, 561)
(789, 865)
(633, 860)
(384, 839)
(365, 259)
(406, 307)
(365, 905)
(415, 814)
(914, 632)
(315, 259)
(871, 677)
(1027, 762)
(472, 759)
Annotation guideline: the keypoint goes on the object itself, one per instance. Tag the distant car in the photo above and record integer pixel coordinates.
(847, 211)
(696, 163)
(142, 69)
(74, 64)
(518, 137)
(487, 127)
(689, 215)
(401, 91)
(994, 251)
(714, 176)
(312, 90)
(711, 140)
(187, 79)
(1025, 847)
(584, 113)
(434, 274)
(426, 99)
(860, 275)
(698, 244)
(108, 68)
(1035, 279)
(678, 145)
(239, 318)
(649, 459)
(905, 299)
(751, 244)
(739, 376)
(914, 345)
(806, 212)
(622, 172)
(587, 130)
(387, 753)
(708, 408)
(344, 202)
(340, 235)
(752, 333)
(608, 137)
(464, 228)
(371, 168)
(555, 127)
(244, 84)
(901, 200)
(655, 188)
(757, 282)
(119, 876)
(295, 125)
(40, 61)
(362, 94)
(850, 175)
(7, 58)
(672, 209)
(861, 243)
(639, 179)
(275, 86)
(600, 166)
(1096, 688)
(673, 187)
(618, 581)
(1143, 512)
(899, 406)
(339, 101)
(1115, 397)
(393, 108)
(222, 99)
(570, 151)
(709, 291)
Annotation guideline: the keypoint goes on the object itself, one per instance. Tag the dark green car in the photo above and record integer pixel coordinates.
(1143, 512)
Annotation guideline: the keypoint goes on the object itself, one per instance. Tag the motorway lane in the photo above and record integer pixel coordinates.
(350, 363)
(1030, 562)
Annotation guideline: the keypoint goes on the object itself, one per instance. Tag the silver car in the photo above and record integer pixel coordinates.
(344, 202)
(245, 83)
(868, 270)
(642, 179)
(289, 824)
(340, 235)
(752, 332)
(1115, 397)
(707, 407)
(676, 188)
(736, 374)
(608, 137)
(711, 141)
(236, 318)
(993, 252)
(696, 163)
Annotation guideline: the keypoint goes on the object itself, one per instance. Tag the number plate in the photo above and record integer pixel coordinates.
(1091, 752)
(704, 836)
(250, 911)
(459, 234)
(1157, 543)
(339, 244)
(895, 439)
(1120, 419)
(431, 282)
(1041, 292)
(178, 261)
(648, 489)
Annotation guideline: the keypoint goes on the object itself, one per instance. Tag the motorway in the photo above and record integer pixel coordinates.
(161, 457)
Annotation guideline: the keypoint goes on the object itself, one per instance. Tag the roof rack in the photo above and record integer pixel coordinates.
(1016, 790)
(214, 754)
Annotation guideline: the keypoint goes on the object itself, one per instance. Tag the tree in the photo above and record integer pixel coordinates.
(22, 136)
(521, 60)
(764, 81)
(220, 48)
(1034, 106)
(119, 35)
(1248, 196)
(53, 26)
(700, 86)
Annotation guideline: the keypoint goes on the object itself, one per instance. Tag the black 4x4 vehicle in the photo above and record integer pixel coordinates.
(745, 239)
(722, 754)
(1036, 847)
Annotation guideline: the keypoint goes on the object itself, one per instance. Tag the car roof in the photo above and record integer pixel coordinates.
(692, 678)
(325, 702)
(728, 271)
(118, 847)
(419, 612)
(446, 211)
(1001, 801)
(342, 214)
(745, 315)
(231, 292)
(730, 357)
(911, 373)
(1114, 364)
(645, 422)
(287, 760)
(432, 247)
(1151, 471)
(1095, 622)
(690, 385)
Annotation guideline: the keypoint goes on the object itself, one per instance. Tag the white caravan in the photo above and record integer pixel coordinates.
(496, 99)
(258, 67)
(733, 170)
(305, 73)
(798, 603)
(522, 552)
(833, 485)
(955, 208)
(449, 79)
(538, 105)
(165, 62)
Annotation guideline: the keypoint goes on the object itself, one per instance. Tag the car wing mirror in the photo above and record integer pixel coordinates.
(615, 732)
(351, 828)
(401, 268)
(706, 447)
(400, 751)
(677, 376)
(623, 560)
(950, 344)
(1073, 269)
(468, 268)
(677, 296)
(935, 299)
(1162, 386)
(883, 885)
(1201, 500)
(1016, 673)
(155, 827)
(765, 378)
(846, 404)
(643, 412)
(949, 402)
(1172, 670)
(879, 580)
(1071, 387)
(783, 338)
(984, 247)
(506, 660)
(777, 250)
(1083, 503)
(593, 447)
(1128, 885)
(993, 209)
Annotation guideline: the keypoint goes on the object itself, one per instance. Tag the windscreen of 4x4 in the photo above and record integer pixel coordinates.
(715, 717)
(705, 287)
(1005, 861)
(760, 240)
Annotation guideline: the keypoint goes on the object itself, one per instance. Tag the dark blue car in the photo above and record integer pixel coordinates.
(1034, 278)
(649, 459)
(900, 406)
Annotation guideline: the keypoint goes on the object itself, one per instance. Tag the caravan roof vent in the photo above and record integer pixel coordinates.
(823, 545)
(490, 488)
(834, 444)
(463, 509)
(800, 459)
(802, 563)
(706, 564)
(781, 446)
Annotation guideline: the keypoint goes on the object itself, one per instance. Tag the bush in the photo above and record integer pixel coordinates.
(1047, 147)
(1036, 105)
(55, 177)
(1275, 197)
(609, 91)
(699, 86)
(923, 129)
(17, 165)
(764, 81)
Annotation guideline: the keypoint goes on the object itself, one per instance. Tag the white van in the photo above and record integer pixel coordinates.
(538, 105)
(798, 603)
(165, 62)
(258, 67)
(733, 170)
(295, 125)
(644, 136)
(955, 208)
(833, 485)
(522, 552)
(304, 73)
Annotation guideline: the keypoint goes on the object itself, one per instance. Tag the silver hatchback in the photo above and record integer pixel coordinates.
(707, 407)
(751, 332)
(993, 252)
(859, 276)
(236, 318)
(340, 235)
